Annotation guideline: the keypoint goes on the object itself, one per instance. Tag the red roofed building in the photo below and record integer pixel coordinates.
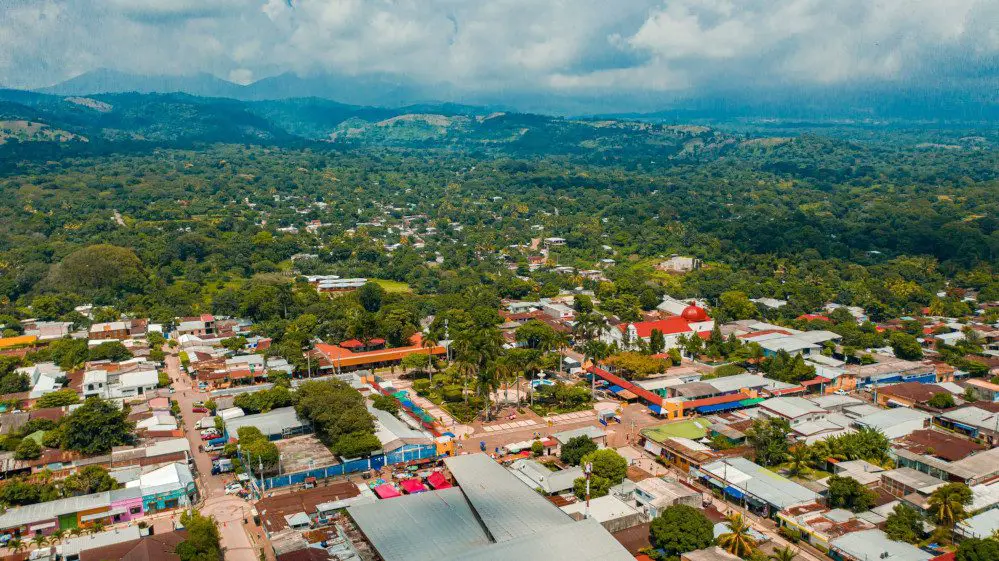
(813, 317)
(693, 319)
(338, 358)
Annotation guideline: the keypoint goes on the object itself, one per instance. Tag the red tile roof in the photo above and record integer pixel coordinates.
(668, 326)
(810, 317)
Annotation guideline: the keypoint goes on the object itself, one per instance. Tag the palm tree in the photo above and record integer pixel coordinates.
(17, 545)
(428, 342)
(737, 541)
(76, 532)
(785, 553)
(595, 351)
(466, 370)
(947, 506)
(39, 541)
(57, 536)
(799, 461)
(505, 372)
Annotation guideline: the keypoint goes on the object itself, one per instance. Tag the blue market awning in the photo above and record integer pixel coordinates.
(656, 409)
(614, 389)
(718, 407)
(965, 427)
(734, 492)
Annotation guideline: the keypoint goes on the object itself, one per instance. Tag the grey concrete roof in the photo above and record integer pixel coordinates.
(533, 473)
(981, 465)
(791, 407)
(29, 514)
(270, 423)
(489, 515)
(590, 431)
(585, 540)
(874, 544)
(761, 483)
(895, 423)
(429, 525)
(506, 506)
(981, 525)
(393, 433)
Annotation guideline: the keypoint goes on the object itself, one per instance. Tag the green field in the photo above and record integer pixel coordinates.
(392, 286)
(693, 429)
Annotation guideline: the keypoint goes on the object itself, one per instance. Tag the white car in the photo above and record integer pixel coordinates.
(233, 488)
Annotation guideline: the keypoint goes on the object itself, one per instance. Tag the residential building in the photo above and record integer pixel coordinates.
(760, 489)
(907, 394)
(870, 545)
(611, 512)
(984, 390)
(653, 495)
(974, 421)
(819, 524)
(537, 476)
(275, 424)
(907, 483)
(713, 553)
(598, 436)
(795, 410)
(679, 264)
(895, 423)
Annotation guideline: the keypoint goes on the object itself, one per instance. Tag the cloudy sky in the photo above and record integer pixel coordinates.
(548, 46)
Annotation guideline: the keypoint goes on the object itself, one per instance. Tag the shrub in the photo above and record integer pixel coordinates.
(28, 449)
(421, 386)
(452, 394)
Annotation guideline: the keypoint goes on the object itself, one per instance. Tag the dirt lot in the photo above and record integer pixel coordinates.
(303, 452)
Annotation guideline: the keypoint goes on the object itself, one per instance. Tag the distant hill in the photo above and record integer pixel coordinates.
(118, 121)
(371, 89)
(111, 81)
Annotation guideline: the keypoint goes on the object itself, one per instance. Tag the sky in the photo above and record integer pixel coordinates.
(558, 47)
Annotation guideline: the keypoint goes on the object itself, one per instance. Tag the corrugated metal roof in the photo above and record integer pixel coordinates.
(585, 540)
(430, 525)
(507, 507)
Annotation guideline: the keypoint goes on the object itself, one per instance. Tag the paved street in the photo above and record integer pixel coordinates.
(230, 511)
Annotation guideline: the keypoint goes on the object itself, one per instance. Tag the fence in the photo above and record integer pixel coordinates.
(352, 466)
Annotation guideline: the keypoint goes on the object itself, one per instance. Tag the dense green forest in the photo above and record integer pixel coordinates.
(175, 205)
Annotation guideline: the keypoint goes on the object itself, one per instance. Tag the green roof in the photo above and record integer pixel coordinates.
(752, 401)
(692, 429)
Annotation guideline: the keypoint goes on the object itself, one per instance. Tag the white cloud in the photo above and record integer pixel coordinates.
(515, 45)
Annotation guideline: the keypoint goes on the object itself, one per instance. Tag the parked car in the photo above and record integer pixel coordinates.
(233, 489)
(213, 447)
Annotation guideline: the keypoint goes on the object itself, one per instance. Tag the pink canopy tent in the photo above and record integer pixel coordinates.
(438, 481)
(386, 491)
(414, 485)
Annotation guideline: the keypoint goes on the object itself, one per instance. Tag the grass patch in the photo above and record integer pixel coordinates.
(391, 285)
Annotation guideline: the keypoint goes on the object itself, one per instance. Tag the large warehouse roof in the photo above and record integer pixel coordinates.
(507, 507)
(430, 525)
(490, 515)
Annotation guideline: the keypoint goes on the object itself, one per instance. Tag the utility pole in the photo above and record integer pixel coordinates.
(588, 469)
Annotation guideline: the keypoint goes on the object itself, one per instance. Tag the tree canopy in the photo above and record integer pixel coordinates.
(681, 529)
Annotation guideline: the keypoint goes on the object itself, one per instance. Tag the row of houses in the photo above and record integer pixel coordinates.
(143, 493)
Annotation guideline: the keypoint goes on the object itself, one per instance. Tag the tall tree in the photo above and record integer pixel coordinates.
(96, 427)
(680, 529)
(737, 540)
